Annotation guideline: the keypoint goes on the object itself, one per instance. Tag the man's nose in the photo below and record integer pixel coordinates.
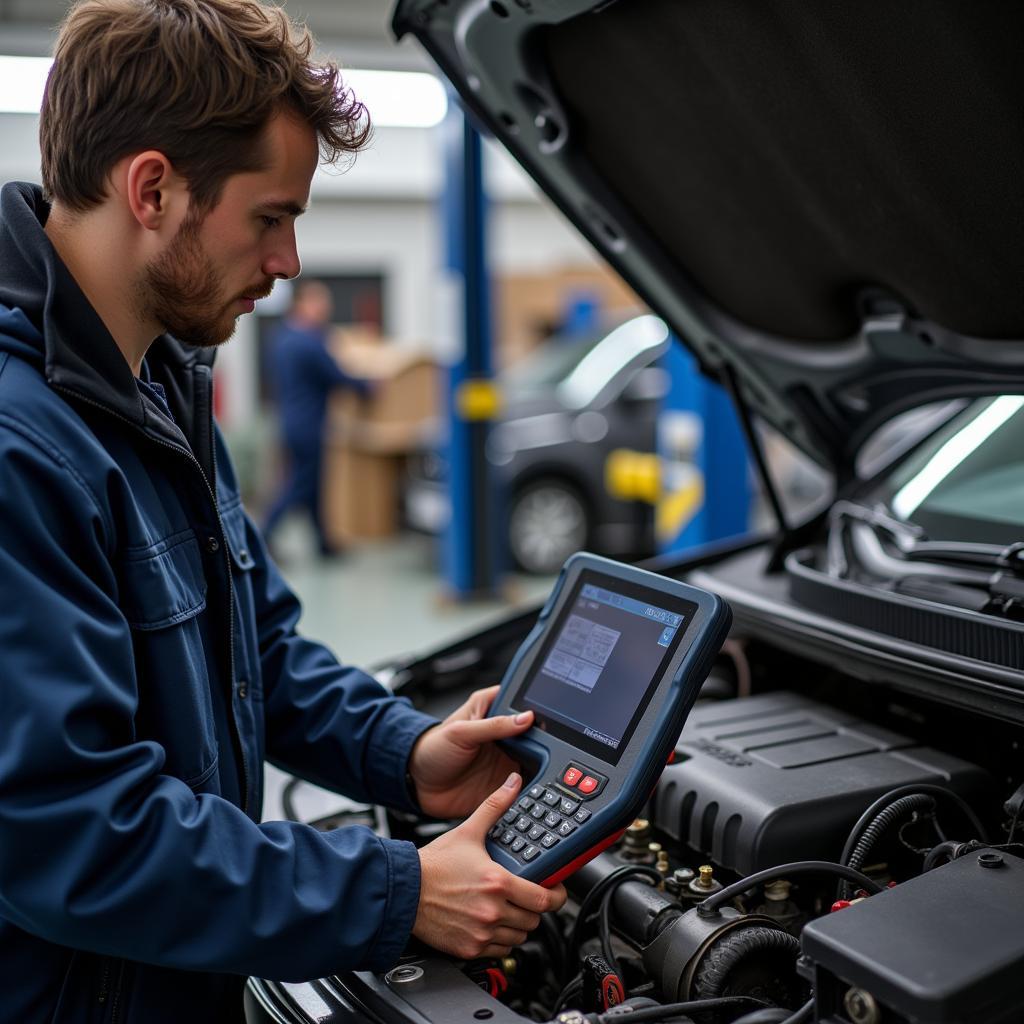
(283, 260)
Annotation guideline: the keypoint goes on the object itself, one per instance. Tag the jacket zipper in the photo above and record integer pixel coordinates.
(227, 559)
(113, 994)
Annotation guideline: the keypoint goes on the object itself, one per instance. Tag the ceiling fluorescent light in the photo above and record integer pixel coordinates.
(399, 99)
(395, 99)
(21, 84)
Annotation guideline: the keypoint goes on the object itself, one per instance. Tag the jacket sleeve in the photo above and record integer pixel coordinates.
(325, 367)
(101, 851)
(332, 724)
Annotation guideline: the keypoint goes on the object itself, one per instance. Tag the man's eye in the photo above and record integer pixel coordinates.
(271, 222)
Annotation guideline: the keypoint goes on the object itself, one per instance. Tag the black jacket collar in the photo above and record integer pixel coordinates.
(80, 356)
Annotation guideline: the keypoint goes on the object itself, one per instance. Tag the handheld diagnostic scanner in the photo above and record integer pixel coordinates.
(610, 671)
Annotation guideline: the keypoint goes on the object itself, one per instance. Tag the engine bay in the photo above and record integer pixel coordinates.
(825, 839)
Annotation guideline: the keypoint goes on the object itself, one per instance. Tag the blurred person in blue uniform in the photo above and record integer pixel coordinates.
(304, 374)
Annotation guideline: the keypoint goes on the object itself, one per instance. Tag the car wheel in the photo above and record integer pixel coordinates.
(548, 521)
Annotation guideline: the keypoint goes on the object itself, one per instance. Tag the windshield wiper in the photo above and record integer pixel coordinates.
(912, 543)
(981, 577)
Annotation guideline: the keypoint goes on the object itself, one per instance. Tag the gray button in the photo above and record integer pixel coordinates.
(581, 815)
(536, 832)
(537, 811)
(524, 823)
(507, 836)
(568, 806)
(518, 843)
(530, 852)
(566, 828)
(551, 819)
(495, 831)
(536, 792)
(551, 798)
(525, 803)
(548, 840)
(510, 815)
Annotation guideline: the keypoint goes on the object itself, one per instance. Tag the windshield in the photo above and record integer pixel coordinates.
(580, 370)
(966, 481)
(547, 366)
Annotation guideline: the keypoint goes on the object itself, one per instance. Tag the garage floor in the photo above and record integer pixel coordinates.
(378, 601)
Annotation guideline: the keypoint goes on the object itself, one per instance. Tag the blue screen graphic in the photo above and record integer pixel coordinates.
(596, 672)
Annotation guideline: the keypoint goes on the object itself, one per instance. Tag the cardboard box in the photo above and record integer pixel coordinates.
(360, 496)
(400, 415)
(368, 438)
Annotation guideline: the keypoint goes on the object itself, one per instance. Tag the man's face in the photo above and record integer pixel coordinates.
(218, 264)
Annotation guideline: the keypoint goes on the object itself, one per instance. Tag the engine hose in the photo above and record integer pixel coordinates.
(727, 965)
(801, 1016)
(918, 787)
(710, 906)
(883, 820)
(880, 824)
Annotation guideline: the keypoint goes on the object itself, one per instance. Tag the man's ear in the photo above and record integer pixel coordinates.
(157, 195)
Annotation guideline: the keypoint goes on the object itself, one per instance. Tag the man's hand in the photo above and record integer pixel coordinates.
(470, 906)
(456, 764)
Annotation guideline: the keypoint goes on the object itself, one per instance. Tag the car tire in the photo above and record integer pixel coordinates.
(548, 521)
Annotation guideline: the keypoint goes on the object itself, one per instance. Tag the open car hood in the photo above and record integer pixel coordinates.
(824, 200)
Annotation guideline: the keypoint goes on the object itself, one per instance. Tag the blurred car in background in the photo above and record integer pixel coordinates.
(566, 407)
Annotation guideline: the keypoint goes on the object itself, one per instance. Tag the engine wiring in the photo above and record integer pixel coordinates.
(888, 809)
(712, 905)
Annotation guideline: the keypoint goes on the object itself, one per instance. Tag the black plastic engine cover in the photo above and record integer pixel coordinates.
(764, 780)
(944, 947)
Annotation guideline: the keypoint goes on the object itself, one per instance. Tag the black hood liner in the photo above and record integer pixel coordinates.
(824, 200)
(807, 151)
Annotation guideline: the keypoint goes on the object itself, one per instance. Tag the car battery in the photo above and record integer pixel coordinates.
(945, 947)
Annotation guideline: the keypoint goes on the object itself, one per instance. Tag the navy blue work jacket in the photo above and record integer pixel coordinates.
(148, 665)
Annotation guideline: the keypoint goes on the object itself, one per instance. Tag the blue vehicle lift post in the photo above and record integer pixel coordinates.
(705, 491)
(471, 539)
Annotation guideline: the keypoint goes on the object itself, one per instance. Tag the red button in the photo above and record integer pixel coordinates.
(572, 776)
(588, 784)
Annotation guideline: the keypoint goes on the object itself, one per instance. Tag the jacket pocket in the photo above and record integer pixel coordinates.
(163, 584)
(163, 596)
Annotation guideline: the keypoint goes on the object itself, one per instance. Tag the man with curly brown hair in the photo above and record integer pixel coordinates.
(149, 659)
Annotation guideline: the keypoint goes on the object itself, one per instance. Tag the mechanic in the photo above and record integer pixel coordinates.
(303, 375)
(149, 660)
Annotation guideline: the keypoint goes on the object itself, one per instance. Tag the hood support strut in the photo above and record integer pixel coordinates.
(731, 383)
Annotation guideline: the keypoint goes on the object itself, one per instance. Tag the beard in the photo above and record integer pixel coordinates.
(181, 291)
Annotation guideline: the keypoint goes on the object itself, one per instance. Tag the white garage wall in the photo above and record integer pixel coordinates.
(380, 215)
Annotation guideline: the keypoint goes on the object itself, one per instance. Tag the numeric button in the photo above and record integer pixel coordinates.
(581, 815)
(551, 798)
(551, 819)
(566, 829)
(530, 852)
(523, 824)
(518, 843)
(507, 836)
(568, 806)
(537, 811)
(536, 832)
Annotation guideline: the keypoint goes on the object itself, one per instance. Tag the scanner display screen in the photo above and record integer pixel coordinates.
(601, 664)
